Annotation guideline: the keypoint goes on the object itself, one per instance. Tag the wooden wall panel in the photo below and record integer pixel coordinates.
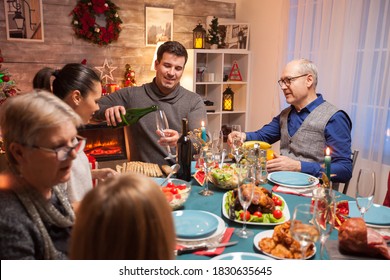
(23, 59)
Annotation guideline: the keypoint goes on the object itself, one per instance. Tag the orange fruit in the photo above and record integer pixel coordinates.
(270, 154)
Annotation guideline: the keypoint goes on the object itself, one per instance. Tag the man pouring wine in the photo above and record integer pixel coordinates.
(145, 141)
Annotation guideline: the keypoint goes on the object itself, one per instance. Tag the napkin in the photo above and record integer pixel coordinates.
(307, 192)
(216, 251)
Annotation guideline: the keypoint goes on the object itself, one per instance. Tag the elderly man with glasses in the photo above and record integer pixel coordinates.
(306, 128)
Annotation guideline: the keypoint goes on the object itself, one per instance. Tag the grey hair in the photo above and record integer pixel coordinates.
(24, 117)
(308, 67)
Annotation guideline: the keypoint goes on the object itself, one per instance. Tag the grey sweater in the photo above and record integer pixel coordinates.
(142, 135)
(20, 237)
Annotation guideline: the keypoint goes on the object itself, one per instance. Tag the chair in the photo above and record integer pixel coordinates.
(387, 198)
(336, 186)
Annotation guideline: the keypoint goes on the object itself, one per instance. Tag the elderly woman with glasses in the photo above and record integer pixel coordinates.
(306, 128)
(41, 142)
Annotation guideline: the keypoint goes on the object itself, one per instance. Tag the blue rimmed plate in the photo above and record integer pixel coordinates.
(293, 179)
(191, 224)
(376, 214)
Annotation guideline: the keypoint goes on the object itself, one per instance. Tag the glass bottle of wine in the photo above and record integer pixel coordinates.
(184, 153)
(134, 114)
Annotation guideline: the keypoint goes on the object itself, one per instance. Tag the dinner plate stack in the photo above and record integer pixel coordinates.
(195, 227)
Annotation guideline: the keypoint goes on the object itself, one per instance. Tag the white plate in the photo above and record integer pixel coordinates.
(286, 213)
(241, 256)
(289, 177)
(214, 237)
(269, 233)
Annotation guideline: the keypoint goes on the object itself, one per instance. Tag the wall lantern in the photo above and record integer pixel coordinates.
(199, 38)
(227, 99)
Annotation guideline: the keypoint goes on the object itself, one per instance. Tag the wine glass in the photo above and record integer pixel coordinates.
(365, 190)
(162, 125)
(245, 190)
(237, 149)
(302, 227)
(208, 160)
(217, 141)
(324, 214)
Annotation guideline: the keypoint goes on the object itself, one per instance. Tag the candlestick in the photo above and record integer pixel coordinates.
(328, 160)
(203, 129)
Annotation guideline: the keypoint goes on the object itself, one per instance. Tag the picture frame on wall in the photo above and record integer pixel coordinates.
(158, 25)
(234, 35)
(24, 20)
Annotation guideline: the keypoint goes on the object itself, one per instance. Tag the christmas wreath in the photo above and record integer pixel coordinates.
(85, 25)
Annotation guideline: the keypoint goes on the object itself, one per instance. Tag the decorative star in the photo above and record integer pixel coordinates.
(106, 71)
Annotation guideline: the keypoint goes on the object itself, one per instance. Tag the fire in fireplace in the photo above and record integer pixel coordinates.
(105, 143)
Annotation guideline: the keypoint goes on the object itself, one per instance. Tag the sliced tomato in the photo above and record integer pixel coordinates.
(182, 186)
(170, 185)
(174, 190)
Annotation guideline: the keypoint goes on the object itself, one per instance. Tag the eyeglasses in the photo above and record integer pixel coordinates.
(287, 81)
(64, 152)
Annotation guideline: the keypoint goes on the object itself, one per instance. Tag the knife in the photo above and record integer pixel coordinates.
(192, 249)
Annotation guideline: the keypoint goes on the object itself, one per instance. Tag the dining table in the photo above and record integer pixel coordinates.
(214, 205)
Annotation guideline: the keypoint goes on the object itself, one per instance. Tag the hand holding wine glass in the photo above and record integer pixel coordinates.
(365, 190)
(245, 190)
(162, 125)
(237, 149)
(302, 228)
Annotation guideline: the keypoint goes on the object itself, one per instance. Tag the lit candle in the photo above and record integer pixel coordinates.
(203, 129)
(198, 43)
(328, 159)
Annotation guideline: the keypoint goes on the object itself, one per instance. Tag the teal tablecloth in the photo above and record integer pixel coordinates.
(213, 204)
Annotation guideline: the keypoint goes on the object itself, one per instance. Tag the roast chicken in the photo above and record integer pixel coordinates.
(356, 238)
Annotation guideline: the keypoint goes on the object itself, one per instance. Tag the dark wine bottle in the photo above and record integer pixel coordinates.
(184, 154)
(134, 114)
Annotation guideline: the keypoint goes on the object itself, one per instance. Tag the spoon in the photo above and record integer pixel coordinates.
(174, 168)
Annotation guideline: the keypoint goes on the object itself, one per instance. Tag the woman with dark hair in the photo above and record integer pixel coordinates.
(80, 87)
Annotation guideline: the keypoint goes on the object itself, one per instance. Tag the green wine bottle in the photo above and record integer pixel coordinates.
(134, 114)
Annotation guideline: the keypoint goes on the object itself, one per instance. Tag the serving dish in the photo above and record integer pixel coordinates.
(194, 224)
(269, 233)
(285, 211)
(179, 196)
(292, 179)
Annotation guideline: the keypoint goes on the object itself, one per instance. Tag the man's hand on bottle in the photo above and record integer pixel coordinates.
(170, 137)
(113, 115)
